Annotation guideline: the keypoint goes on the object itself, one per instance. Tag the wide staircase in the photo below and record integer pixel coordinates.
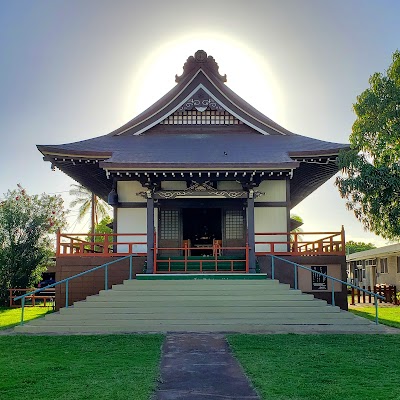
(200, 303)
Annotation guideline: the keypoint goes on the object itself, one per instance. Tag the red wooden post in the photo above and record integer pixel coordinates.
(215, 250)
(295, 242)
(369, 295)
(358, 296)
(155, 253)
(363, 295)
(58, 248)
(185, 245)
(247, 258)
(342, 234)
(105, 250)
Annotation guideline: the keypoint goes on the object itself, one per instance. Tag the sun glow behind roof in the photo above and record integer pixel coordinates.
(247, 74)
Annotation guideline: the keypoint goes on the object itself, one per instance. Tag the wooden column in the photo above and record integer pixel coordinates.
(150, 232)
(251, 232)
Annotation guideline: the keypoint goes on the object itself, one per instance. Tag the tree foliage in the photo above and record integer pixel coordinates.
(101, 227)
(26, 223)
(83, 199)
(355, 247)
(370, 178)
(298, 229)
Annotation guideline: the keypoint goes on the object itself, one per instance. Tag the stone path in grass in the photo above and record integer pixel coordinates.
(201, 367)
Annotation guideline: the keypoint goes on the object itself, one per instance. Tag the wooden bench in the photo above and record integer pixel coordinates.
(45, 295)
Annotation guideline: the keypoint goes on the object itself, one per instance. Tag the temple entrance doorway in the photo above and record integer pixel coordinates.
(201, 229)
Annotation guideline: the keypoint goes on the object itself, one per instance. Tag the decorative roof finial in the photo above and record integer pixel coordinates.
(200, 61)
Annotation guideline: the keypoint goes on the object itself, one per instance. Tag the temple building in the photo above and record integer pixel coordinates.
(201, 182)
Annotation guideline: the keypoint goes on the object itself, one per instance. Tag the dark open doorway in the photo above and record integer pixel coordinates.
(201, 226)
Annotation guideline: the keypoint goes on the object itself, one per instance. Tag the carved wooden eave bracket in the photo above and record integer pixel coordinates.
(201, 189)
(200, 61)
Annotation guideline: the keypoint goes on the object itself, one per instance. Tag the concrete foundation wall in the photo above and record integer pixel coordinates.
(92, 282)
(284, 272)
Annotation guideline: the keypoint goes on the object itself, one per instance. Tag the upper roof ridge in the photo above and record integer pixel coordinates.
(200, 61)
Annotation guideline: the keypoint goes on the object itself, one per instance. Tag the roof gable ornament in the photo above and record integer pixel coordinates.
(200, 61)
(201, 101)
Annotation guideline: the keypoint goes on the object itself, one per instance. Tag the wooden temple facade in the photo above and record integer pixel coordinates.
(200, 182)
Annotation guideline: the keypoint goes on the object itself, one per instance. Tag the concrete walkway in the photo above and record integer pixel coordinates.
(201, 367)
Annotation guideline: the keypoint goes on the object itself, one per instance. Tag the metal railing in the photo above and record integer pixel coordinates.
(66, 281)
(333, 280)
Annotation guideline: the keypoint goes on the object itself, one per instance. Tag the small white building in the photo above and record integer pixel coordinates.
(375, 267)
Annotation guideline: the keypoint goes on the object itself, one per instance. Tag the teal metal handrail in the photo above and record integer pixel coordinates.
(66, 281)
(333, 279)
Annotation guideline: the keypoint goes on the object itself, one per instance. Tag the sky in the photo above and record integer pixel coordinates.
(73, 70)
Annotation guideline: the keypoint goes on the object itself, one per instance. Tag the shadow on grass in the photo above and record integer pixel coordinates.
(10, 317)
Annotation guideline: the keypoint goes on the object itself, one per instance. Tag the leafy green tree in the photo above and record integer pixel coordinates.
(355, 247)
(370, 178)
(26, 248)
(101, 227)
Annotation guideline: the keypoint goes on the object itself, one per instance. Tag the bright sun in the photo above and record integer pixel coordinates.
(248, 74)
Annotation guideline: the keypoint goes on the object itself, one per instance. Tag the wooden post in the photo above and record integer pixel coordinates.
(369, 295)
(58, 249)
(251, 232)
(150, 233)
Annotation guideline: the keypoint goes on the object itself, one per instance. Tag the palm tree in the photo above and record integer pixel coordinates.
(298, 229)
(88, 201)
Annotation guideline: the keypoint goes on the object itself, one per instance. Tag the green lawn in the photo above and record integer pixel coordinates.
(387, 315)
(79, 367)
(10, 317)
(321, 367)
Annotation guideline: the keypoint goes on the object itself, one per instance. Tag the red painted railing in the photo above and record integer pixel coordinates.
(101, 244)
(277, 243)
(216, 250)
(300, 243)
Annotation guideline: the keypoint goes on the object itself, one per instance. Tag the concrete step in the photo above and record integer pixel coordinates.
(200, 296)
(234, 328)
(199, 306)
(203, 316)
(218, 310)
(195, 303)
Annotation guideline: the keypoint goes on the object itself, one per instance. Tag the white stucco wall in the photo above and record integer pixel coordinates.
(270, 219)
(132, 220)
(127, 191)
(274, 191)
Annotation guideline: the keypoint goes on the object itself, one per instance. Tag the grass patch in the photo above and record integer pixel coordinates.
(387, 315)
(10, 317)
(79, 367)
(321, 367)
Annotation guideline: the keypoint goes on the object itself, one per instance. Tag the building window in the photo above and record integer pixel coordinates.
(384, 265)
(169, 224)
(398, 264)
(371, 262)
(234, 224)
